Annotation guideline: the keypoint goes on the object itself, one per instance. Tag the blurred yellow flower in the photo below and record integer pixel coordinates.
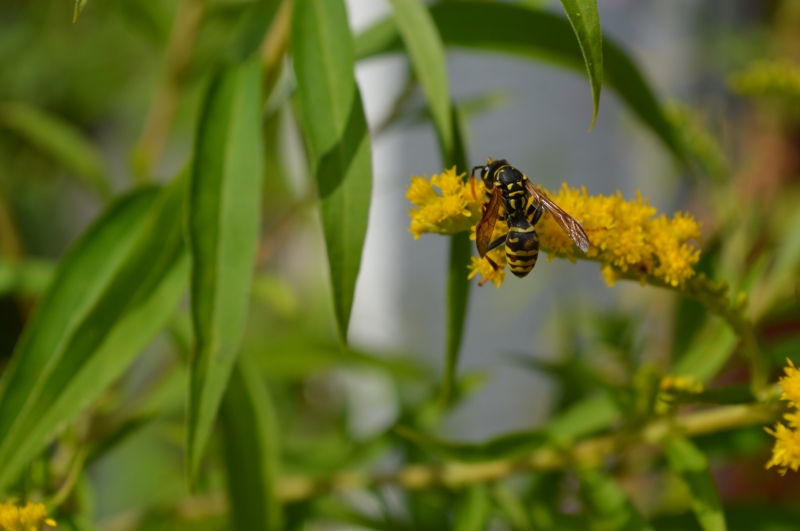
(625, 236)
(31, 517)
(786, 451)
(686, 384)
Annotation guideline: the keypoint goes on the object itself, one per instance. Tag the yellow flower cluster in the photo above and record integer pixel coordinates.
(624, 235)
(779, 79)
(454, 208)
(786, 452)
(31, 517)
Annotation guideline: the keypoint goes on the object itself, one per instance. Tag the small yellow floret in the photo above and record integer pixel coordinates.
(791, 384)
(786, 452)
(31, 517)
(686, 384)
(451, 210)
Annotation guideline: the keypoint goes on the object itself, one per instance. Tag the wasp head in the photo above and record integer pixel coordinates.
(488, 171)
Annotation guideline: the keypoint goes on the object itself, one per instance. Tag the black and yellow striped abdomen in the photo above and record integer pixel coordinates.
(522, 246)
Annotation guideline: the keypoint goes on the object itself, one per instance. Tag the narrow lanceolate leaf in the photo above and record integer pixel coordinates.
(59, 140)
(585, 20)
(250, 443)
(336, 128)
(610, 506)
(514, 29)
(691, 464)
(426, 51)
(79, 5)
(111, 294)
(223, 223)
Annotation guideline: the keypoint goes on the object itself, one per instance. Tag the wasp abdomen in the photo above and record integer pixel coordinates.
(522, 247)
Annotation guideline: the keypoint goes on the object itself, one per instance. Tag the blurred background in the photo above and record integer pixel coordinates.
(102, 75)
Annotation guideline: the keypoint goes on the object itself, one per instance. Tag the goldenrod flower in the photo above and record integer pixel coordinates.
(31, 517)
(786, 452)
(625, 236)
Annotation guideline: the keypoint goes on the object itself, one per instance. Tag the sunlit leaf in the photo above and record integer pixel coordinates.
(336, 129)
(515, 29)
(58, 139)
(250, 443)
(690, 463)
(112, 293)
(585, 20)
(223, 227)
(426, 51)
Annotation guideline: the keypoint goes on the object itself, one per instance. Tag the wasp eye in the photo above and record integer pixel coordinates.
(486, 169)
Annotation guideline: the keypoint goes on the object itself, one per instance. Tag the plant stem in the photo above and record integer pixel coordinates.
(590, 452)
(165, 102)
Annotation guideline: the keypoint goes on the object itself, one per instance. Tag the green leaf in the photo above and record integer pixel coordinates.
(515, 29)
(585, 20)
(30, 277)
(250, 444)
(583, 418)
(58, 139)
(505, 446)
(426, 51)
(79, 5)
(709, 351)
(612, 509)
(254, 24)
(473, 509)
(691, 464)
(115, 289)
(223, 227)
(336, 129)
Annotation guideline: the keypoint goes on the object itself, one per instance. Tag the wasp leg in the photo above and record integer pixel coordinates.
(536, 210)
(495, 268)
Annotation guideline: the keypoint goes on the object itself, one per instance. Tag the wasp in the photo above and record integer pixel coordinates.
(509, 187)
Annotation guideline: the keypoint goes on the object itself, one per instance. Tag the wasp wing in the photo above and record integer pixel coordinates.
(569, 224)
(485, 227)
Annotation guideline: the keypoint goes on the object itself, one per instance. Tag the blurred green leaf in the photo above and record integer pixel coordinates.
(473, 509)
(253, 25)
(585, 20)
(512, 508)
(112, 293)
(336, 129)
(426, 51)
(611, 507)
(30, 277)
(691, 464)
(786, 262)
(79, 5)
(588, 416)
(505, 446)
(710, 350)
(580, 420)
(58, 139)
(518, 30)
(250, 443)
(223, 227)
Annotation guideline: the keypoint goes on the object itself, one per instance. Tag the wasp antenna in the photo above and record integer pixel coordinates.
(473, 170)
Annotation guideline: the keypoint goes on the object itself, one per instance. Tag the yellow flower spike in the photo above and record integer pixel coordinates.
(31, 517)
(626, 237)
